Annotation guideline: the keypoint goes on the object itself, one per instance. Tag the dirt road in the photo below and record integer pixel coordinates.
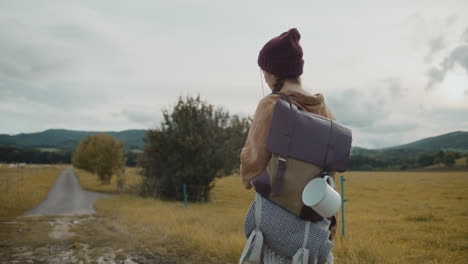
(65, 229)
(67, 198)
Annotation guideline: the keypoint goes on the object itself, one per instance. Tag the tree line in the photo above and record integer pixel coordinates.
(11, 154)
(388, 162)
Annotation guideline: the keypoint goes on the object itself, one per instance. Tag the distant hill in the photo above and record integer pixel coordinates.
(68, 140)
(455, 141)
(62, 139)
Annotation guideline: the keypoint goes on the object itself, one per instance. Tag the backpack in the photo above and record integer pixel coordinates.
(303, 146)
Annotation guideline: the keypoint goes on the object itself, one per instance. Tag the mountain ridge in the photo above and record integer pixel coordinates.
(64, 139)
(456, 141)
(68, 140)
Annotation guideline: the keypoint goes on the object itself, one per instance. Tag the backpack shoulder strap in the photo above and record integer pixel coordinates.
(285, 97)
(290, 99)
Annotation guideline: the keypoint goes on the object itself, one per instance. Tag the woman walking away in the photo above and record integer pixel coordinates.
(279, 227)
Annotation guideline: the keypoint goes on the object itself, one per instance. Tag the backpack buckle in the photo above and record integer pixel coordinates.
(279, 176)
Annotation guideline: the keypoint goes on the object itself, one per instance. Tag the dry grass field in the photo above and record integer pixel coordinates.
(23, 188)
(398, 217)
(91, 182)
(391, 217)
(460, 162)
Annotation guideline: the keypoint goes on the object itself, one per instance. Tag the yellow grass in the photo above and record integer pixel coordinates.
(203, 233)
(391, 217)
(458, 162)
(402, 217)
(461, 161)
(91, 181)
(23, 188)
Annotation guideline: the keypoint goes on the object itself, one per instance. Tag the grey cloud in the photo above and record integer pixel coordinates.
(435, 75)
(142, 118)
(72, 32)
(458, 56)
(25, 52)
(451, 20)
(357, 109)
(385, 132)
(34, 52)
(448, 116)
(55, 64)
(465, 36)
(435, 46)
(389, 127)
(375, 141)
(372, 115)
(61, 95)
(26, 63)
(352, 109)
(394, 86)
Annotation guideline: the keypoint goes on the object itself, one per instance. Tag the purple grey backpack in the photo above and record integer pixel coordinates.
(299, 138)
(303, 146)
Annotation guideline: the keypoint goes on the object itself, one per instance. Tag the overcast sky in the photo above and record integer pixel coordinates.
(394, 72)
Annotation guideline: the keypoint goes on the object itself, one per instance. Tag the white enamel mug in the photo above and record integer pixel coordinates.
(322, 197)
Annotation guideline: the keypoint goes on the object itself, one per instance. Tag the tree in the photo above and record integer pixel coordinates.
(449, 159)
(236, 134)
(13, 154)
(194, 144)
(100, 154)
(439, 157)
(425, 159)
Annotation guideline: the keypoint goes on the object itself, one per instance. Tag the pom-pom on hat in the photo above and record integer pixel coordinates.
(282, 55)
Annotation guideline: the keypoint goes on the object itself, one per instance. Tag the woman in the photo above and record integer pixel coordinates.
(281, 61)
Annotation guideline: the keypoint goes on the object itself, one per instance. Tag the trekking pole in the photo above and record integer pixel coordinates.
(342, 180)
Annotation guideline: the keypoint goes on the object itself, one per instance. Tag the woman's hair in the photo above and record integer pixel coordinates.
(281, 80)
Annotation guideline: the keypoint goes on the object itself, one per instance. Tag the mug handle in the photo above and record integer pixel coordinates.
(332, 182)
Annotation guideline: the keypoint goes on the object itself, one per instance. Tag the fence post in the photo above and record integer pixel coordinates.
(342, 180)
(185, 195)
(155, 193)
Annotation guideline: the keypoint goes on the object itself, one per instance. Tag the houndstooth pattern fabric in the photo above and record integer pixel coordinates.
(284, 232)
(271, 257)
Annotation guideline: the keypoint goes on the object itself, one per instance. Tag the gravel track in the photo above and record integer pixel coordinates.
(66, 197)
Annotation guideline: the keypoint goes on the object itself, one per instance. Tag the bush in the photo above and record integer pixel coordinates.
(100, 154)
(425, 159)
(195, 144)
(449, 159)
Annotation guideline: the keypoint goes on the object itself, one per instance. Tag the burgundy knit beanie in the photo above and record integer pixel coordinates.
(282, 56)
